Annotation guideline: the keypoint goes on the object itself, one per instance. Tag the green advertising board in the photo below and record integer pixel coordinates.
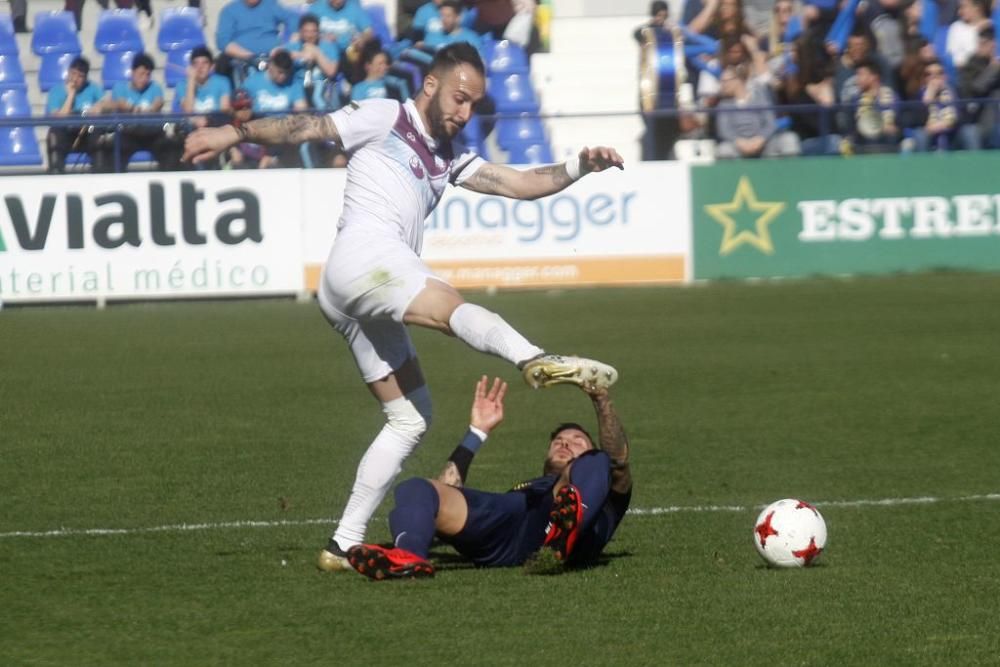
(872, 214)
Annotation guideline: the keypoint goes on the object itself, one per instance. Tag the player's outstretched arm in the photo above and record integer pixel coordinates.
(206, 143)
(613, 439)
(486, 415)
(495, 179)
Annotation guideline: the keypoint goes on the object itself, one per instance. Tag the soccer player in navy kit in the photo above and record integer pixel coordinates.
(565, 517)
(374, 284)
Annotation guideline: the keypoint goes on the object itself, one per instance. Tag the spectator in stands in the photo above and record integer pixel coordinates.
(918, 53)
(142, 95)
(938, 113)
(19, 15)
(742, 128)
(373, 86)
(76, 6)
(659, 17)
(492, 16)
(204, 91)
(785, 25)
(426, 19)
(78, 97)
(347, 24)
(716, 18)
(451, 28)
(886, 20)
(873, 128)
(277, 89)
(812, 84)
(859, 49)
(980, 78)
(963, 35)
(316, 64)
(247, 31)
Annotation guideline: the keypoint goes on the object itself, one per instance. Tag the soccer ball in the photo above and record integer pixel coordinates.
(790, 533)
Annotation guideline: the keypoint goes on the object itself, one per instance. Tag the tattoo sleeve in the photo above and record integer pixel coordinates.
(557, 172)
(292, 129)
(487, 179)
(614, 442)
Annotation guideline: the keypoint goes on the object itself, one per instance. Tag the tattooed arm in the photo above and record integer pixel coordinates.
(613, 440)
(206, 143)
(495, 179)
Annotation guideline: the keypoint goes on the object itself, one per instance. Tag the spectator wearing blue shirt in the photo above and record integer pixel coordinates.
(316, 62)
(373, 86)
(142, 95)
(203, 92)
(78, 97)
(347, 24)
(426, 19)
(248, 30)
(451, 29)
(277, 89)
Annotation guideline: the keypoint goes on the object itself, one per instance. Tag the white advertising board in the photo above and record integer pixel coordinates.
(153, 235)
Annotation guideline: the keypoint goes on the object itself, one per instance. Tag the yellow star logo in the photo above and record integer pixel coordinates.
(745, 198)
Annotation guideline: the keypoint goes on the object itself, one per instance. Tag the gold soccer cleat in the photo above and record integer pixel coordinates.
(329, 561)
(551, 369)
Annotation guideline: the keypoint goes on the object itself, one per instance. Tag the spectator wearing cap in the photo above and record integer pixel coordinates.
(247, 31)
(373, 86)
(873, 127)
(274, 90)
(980, 78)
(743, 128)
(316, 63)
(203, 91)
(141, 95)
(451, 28)
(77, 97)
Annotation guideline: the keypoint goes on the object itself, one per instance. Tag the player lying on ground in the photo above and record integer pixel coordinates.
(564, 517)
(374, 283)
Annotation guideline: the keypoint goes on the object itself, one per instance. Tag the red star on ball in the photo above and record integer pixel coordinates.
(809, 553)
(765, 530)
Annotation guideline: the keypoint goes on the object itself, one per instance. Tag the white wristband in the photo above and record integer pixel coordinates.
(573, 168)
(481, 434)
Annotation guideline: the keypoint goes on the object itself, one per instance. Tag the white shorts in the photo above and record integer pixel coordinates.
(367, 285)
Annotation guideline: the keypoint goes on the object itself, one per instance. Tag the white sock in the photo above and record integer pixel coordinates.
(488, 332)
(407, 421)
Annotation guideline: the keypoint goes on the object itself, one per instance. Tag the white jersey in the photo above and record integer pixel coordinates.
(397, 172)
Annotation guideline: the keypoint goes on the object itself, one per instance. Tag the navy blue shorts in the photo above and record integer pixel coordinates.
(502, 528)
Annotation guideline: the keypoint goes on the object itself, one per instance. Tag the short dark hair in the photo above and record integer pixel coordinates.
(870, 65)
(282, 60)
(368, 55)
(658, 6)
(456, 54)
(202, 52)
(454, 4)
(143, 60)
(80, 64)
(308, 18)
(988, 33)
(566, 426)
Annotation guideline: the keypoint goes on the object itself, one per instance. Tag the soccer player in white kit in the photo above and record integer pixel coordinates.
(374, 282)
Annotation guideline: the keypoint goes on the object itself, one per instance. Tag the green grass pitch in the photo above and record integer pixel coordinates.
(147, 417)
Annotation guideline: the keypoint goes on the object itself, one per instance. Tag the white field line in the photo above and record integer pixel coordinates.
(635, 511)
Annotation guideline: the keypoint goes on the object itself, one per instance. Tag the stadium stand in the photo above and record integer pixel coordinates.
(18, 145)
(180, 31)
(55, 40)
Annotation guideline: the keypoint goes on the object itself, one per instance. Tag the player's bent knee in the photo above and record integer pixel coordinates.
(416, 491)
(410, 416)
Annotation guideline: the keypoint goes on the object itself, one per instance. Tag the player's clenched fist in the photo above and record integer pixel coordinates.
(208, 142)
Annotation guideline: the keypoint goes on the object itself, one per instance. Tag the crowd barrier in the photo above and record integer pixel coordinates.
(155, 235)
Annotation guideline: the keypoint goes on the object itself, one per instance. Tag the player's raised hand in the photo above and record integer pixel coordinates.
(599, 158)
(487, 404)
(208, 142)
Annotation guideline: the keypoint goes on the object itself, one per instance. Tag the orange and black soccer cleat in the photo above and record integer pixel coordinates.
(379, 563)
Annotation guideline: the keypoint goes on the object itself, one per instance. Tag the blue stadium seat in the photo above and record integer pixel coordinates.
(180, 29)
(11, 74)
(8, 42)
(376, 14)
(175, 69)
(533, 153)
(408, 72)
(18, 147)
(52, 71)
(472, 136)
(505, 57)
(527, 128)
(55, 32)
(14, 103)
(513, 93)
(117, 67)
(117, 31)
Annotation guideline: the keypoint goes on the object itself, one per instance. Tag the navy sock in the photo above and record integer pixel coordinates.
(412, 520)
(591, 475)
